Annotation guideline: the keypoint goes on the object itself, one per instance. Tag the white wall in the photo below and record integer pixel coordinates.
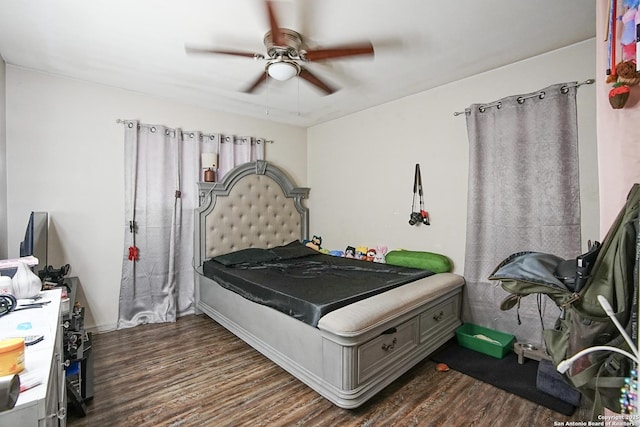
(65, 156)
(361, 167)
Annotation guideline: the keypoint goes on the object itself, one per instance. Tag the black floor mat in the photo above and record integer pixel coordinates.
(506, 374)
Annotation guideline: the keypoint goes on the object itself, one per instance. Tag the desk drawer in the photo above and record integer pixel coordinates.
(375, 355)
(445, 312)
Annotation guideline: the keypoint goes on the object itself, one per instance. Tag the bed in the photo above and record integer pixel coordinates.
(346, 352)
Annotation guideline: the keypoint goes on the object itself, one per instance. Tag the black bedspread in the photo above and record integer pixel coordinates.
(302, 282)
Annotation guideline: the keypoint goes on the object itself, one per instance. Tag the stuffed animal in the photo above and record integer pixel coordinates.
(361, 252)
(627, 74)
(350, 252)
(314, 243)
(370, 255)
(380, 256)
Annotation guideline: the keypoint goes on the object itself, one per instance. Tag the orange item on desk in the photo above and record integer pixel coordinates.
(11, 356)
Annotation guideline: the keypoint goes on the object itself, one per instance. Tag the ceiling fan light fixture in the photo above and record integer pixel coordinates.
(282, 70)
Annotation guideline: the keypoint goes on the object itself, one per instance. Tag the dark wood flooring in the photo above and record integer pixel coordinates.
(195, 373)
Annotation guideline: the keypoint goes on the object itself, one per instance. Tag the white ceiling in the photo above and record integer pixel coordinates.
(139, 45)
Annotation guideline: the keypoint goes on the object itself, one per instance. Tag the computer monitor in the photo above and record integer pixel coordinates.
(36, 239)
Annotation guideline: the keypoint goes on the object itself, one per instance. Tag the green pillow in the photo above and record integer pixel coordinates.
(418, 259)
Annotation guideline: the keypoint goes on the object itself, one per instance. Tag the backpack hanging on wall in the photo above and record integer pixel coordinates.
(583, 322)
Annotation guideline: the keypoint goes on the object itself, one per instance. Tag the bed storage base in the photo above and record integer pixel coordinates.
(346, 365)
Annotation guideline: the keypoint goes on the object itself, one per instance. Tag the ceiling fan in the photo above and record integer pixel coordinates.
(286, 54)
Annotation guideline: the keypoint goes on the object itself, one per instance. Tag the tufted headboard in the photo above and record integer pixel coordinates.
(255, 205)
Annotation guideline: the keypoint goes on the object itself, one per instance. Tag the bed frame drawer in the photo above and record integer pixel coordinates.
(447, 311)
(375, 355)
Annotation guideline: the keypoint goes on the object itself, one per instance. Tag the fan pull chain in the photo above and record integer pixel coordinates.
(267, 94)
(298, 106)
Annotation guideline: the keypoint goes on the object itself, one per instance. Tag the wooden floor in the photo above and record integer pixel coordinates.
(196, 373)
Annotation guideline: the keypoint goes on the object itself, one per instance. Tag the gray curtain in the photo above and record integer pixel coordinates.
(237, 150)
(162, 167)
(523, 196)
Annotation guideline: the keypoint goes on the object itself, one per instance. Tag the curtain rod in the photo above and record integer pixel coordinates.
(125, 121)
(523, 98)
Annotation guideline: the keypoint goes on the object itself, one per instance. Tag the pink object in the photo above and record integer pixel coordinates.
(629, 52)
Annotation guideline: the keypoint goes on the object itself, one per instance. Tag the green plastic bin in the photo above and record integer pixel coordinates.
(484, 340)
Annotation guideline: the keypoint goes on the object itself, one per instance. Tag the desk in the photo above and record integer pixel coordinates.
(46, 403)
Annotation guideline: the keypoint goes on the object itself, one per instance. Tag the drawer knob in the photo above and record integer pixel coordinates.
(389, 347)
(439, 316)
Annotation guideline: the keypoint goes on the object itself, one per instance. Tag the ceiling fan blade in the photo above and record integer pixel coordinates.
(276, 35)
(190, 49)
(314, 80)
(339, 51)
(261, 79)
